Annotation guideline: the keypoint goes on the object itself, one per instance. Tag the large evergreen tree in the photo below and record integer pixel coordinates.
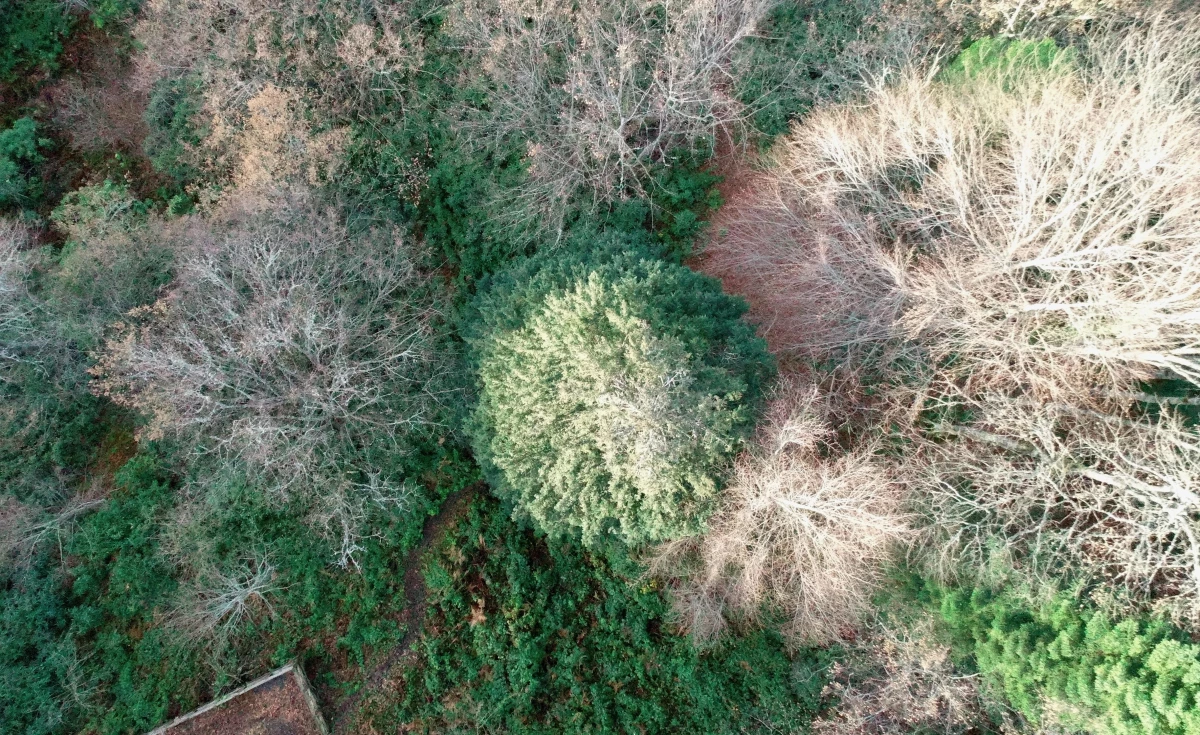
(614, 386)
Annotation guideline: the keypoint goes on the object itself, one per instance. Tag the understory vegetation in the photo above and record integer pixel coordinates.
(724, 366)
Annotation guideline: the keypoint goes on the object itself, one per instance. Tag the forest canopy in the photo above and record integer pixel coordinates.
(730, 366)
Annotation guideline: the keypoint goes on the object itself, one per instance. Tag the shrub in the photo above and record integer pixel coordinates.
(795, 59)
(337, 56)
(613, 388)
(33, 654)
(991, 57)
(527, 635)
(92, 623)
(31, 34)
(174, 130)
(803, 532)
(118, 584)
(1064, 661)
(48, 421)
(900, 678)
(118, 256)
(19, 151)
(110, 12)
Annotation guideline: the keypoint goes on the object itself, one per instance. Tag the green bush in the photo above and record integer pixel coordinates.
(613, 388)
(1127, 677)
(173, 129)
(90, 641)
(525, 635)
(110, 12)
(33, 653)
(49, 423)
(136, 667)
(49, 427)
(1006, 58)
(793, 61)
(31, 36)
(114, 259)
(19, 152)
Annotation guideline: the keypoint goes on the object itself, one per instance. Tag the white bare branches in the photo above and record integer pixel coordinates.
(24, 527)
(1049, 219)
(344, 512)
(1027, 237)
(213, 606)
(600, 90)
(898, 680)
(1060, 490)
(288, 348)
(799, 532)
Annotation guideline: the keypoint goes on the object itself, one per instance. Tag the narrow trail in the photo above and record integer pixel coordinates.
(435, 528)
(738, 168)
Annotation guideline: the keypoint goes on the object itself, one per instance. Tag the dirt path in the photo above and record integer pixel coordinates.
(448, 515)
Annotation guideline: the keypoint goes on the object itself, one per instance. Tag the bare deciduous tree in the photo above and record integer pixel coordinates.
(102, 108)
(340, 52)
(214, 605)
(897, 680)
(798, 532)
(1029, 234)
(1048, 218)
(816, 284)
(286, 346)
(600, 90)
(24, 527)
(1055, 489)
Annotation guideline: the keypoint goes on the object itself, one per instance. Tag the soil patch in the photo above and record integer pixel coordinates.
(721, 252)
(280, 703)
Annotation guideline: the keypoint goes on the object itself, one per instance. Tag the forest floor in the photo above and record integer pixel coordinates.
(719, 253)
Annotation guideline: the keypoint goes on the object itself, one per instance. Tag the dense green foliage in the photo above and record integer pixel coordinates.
(793, 62)
(528, 635)
(1125, 677)
(106, 647)
(1007, 57)
(20, 148)
(613, 388)
(31, 37)
(171, 113)
(112, 261)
